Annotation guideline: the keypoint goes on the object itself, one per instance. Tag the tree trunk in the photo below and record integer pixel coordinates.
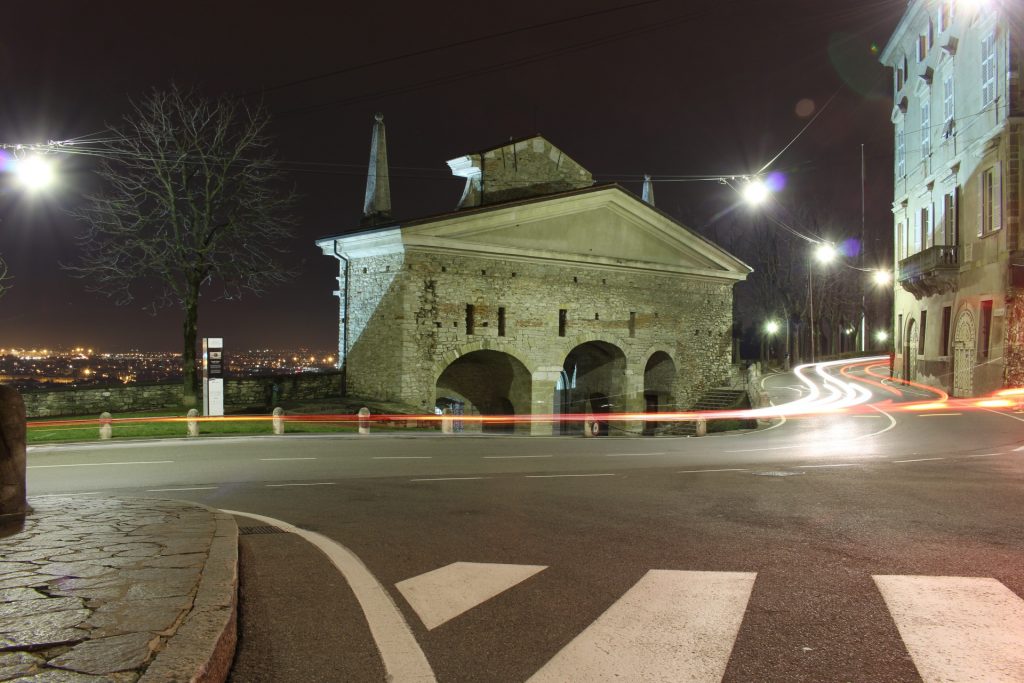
(190, 379)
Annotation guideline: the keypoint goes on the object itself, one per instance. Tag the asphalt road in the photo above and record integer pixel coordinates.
(874, 545)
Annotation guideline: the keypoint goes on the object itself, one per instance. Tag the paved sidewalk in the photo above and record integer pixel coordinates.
(113, 590)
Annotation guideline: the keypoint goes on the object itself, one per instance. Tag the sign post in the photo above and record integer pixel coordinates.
(213, 376)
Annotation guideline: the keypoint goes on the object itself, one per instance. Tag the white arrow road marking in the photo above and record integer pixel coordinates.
(670, 626)
(443, 594)
(401, 654)
(958, 628)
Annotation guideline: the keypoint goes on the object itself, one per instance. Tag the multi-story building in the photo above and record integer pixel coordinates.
(959, 245)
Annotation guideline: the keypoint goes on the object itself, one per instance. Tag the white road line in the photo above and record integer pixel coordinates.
(630, 455)
(402, 457)
(983, 455)
(838, 464)
(919, 460)
(958, 628)
(287, 458)
(402, 657)
(449, 479)
(731, 469)
(97, 464)
(443, 594)
(513, 457)
(318, 483)
(1012, 417)
(773, 448)
(193, 488)
(552, 476)
(670, 626)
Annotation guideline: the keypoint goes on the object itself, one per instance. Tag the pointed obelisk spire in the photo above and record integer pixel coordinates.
(648, 193)
(377, 205)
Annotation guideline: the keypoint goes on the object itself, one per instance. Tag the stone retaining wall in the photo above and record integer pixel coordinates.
(239, 394)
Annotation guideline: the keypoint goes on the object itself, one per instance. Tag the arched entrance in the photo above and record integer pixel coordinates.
(964, 350)
(910, 352)
(593, 380)
(486, 383)
(659, 386)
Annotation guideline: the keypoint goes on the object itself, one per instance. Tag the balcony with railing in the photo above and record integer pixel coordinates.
(930, 272)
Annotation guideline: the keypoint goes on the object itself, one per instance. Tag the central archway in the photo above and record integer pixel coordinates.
(593, 381)
(488, 383)
(964, 355)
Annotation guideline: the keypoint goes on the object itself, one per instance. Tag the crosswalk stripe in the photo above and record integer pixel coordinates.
(958, 628)
(670, 626)
(443, 594)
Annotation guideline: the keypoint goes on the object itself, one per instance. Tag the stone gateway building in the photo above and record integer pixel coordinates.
(541, 294)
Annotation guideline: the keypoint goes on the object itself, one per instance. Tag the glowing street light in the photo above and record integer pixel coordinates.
(825, 253)
(881, 336)
(771, 327)
(881, 277)
(34, 173)
(755, 192)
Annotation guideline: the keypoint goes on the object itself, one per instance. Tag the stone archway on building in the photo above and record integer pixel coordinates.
(964, 350)
(910, 342)
(593, 381)
(659, 387)
(486, 383)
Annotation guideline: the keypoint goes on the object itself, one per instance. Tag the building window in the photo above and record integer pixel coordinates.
(926, 129)
(899, 330)
(901, 154)
(470, 319)
(632, 323)
(901, 74)
(945, 15)
(922, 47)
(990, 202)
(988, 69)
(924, 332)
(921, 234)
(985, 328)
(947, 317)
(947, 101)
(901, 245)
(501, 321)
(563, 319)
(951, 219)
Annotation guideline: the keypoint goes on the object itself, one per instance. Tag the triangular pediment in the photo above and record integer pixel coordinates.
(607, 226)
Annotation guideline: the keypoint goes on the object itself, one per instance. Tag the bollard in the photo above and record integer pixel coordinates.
(278, 421)
(364, 420)
(447, 423)
(193, 423)
(106, 429)
(13, 504)
(702, 427)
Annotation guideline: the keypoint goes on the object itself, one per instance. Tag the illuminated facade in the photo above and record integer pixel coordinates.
(959, 245)
(542, 293)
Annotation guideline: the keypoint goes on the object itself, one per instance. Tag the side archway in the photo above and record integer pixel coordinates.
(659, 386)
(593, 380)
(487, 383)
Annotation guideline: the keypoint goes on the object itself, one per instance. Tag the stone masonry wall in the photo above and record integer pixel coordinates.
(239, 394)
(423, 315)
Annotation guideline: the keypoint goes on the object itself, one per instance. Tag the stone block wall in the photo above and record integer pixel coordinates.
(421, 319)
(239, 394)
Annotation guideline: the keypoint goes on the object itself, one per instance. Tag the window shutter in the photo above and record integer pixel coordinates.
(997, 197)
(981, 204)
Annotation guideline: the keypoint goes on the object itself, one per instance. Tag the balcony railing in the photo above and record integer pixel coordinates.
(932, 271)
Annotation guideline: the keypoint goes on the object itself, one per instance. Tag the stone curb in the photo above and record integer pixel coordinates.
(203, 648)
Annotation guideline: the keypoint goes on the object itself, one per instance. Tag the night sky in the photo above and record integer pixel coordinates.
(667, 88)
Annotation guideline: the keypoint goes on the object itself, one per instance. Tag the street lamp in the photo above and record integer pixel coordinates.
(881, 277)
(881, 336)
(755, 192)
(824, 253)
(34, 173)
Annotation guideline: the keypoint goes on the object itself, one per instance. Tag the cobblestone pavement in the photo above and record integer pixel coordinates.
(118, 590)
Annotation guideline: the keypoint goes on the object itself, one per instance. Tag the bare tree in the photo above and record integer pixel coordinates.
(5, 279)
(192, 199)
